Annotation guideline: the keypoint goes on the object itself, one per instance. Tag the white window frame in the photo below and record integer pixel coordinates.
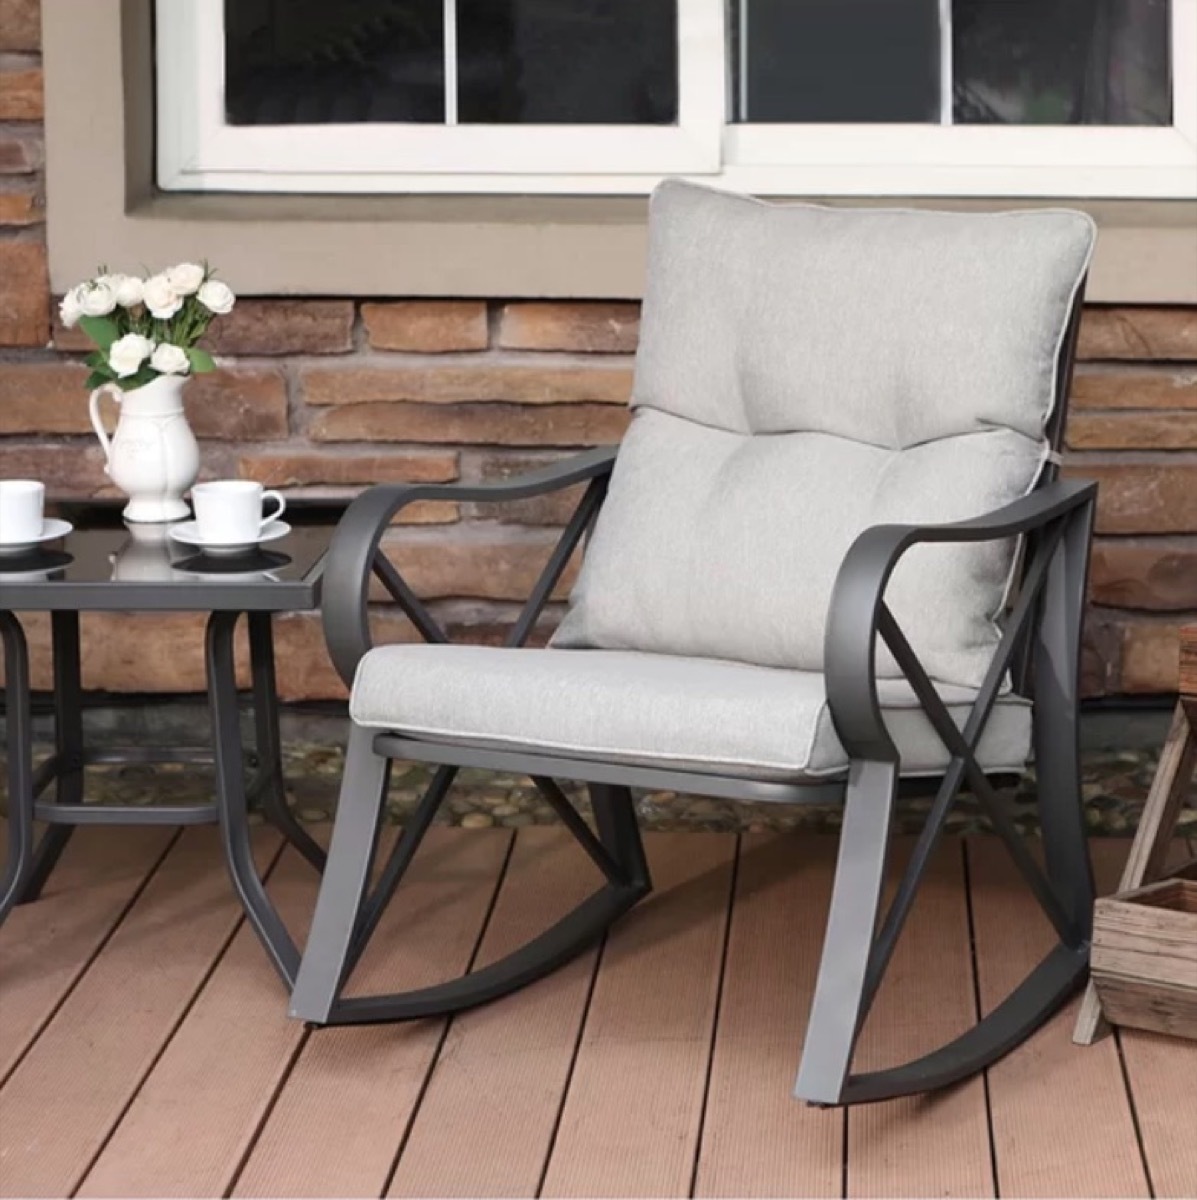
(198, 152)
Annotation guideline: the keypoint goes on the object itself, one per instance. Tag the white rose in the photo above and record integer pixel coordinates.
(97, 299)
(170, 360)
(217, 297)
(161, 298)
(128, 353)
(127, 289)
(185, 278)
(71, 308)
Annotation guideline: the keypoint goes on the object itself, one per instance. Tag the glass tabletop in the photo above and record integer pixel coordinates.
(105, 564)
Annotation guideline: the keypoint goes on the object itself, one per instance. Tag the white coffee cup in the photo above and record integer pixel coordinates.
(22, 510)
(229, 512)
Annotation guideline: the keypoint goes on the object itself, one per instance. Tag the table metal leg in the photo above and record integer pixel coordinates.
(232, 798)
(18, 713)
(268, 743)
(68, 745)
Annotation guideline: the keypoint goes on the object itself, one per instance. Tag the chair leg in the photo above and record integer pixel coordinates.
(618, 830)
(846, 985)
(839, 1004)
(1057, 731)
(854, 957)
(345, 915)
(329, 951)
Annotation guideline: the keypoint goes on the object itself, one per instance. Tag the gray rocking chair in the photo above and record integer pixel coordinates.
(831, 559)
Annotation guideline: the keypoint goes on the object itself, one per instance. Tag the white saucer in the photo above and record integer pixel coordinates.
(231, 576)
(52, 530)
(188, 533)
(29, 576)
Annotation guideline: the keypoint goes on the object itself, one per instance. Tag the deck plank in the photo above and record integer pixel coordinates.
(934, 1145)
(757, 1140)
(630, 1123)
(1162, 1072)
(339, 1121)
(170, 1060)
(500, 1077)
(59, 1106)
(195, 1114)
(1062, 1121)
(45, 947)
(1163, 1079)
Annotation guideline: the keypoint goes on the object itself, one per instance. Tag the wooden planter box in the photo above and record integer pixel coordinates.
(1144, 960)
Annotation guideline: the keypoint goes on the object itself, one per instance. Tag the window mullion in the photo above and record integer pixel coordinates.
(742, 56)
(945, 63)
(450, 40)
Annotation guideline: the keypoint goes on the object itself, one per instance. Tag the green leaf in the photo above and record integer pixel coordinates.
(102, 330)
(200, 360)
(146, 374)
(97, 379)
(97, 360)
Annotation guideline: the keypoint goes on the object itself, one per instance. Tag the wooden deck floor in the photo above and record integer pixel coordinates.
(145, 1051)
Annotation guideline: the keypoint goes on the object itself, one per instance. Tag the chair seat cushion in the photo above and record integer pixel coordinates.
(693, 714)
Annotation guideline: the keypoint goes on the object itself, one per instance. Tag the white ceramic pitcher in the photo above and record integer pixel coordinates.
(153, 456)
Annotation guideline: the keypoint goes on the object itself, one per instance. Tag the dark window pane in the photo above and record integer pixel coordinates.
(1061, 62)
(836, 60)
(539, 62)
(316, 61)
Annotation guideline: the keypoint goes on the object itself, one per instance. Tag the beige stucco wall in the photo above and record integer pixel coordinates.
(99, 118)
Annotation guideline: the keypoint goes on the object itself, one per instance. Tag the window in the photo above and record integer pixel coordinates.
(802, 97)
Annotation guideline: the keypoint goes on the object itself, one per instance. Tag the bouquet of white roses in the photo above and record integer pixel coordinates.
(144, 328)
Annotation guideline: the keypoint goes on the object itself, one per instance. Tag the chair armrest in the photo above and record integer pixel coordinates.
(850, 642)
(355, 542)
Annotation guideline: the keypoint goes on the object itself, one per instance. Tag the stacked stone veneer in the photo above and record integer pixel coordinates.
(326, 395)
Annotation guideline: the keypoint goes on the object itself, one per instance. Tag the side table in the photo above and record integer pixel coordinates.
(105, 566)
(1173, 780)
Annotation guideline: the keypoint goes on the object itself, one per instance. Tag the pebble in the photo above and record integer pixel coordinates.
(1115, 784)
(477, 820)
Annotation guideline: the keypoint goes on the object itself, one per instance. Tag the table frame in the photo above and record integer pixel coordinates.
(30, 860)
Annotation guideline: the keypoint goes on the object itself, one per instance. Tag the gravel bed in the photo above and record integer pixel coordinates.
(1115, 786)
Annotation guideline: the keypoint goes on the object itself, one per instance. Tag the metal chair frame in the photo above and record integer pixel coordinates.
(1039, 652)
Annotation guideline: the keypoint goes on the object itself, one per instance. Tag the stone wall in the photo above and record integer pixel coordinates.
(322, 396)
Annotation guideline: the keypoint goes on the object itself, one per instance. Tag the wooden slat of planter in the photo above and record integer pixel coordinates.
(61, 1103)
(339, 1120)
(1163, 1079)
(1173, 781)
(46, 946)
(631, 1119)
(223, 1063)
(1061, 1116)
(500, 1077)
(757, 1140)
(1188, 661)
(1145, 957)
(923, 1145)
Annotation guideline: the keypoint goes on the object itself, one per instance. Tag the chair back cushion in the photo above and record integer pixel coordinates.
(805, 373)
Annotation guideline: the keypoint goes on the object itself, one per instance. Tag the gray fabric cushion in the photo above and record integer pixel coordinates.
(805, 373)
(652, 709)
